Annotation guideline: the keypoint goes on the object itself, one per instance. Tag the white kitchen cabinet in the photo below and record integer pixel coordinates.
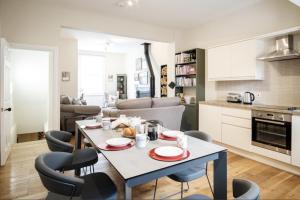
(219, 62)
(296, 140)
(236, 61)
(210, 121)
(236, 136)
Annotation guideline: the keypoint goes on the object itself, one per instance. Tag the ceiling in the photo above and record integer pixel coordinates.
(91, 41)
(167, 13)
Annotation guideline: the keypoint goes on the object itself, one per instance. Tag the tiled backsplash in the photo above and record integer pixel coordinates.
(281, 85)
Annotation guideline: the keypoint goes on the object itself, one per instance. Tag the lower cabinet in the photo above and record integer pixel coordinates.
(232, 126)
(210, 121)
(236, 136)
(296, 140)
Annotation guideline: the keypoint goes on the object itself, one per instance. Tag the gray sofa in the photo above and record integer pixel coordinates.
(72, 109)
(167, 110)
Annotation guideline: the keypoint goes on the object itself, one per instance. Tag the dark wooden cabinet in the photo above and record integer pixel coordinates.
(190, 81)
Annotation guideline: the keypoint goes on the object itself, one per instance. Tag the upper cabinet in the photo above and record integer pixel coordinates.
(236, 61)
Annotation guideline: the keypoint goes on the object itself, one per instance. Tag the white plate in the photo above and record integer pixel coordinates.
(172, 134)
(93, 125)
(118, 142)
(168, 151)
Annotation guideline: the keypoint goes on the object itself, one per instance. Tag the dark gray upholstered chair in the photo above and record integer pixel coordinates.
(191, 173)
(242, 190)
(59, 141)
(61, 187)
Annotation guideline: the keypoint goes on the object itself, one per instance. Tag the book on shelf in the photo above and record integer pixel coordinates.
(185, 70)
(185, 82)
(184, 58)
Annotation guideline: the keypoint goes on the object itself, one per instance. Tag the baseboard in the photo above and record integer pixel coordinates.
(262, 159)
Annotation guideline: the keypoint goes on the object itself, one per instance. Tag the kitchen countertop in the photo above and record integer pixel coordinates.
(262, 107)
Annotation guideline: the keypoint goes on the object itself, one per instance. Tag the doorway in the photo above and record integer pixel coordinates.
(30, 91)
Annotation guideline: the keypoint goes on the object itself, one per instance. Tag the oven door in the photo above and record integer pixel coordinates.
(271, 134)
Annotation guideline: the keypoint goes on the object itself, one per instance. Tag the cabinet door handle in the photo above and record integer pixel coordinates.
(6, 109)
(270, 122)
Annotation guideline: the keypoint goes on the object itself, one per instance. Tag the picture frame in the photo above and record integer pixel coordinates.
(65, 76)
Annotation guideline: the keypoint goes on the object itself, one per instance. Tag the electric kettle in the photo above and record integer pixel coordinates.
(248, 98)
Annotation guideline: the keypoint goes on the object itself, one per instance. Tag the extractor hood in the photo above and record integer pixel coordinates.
(284, 50)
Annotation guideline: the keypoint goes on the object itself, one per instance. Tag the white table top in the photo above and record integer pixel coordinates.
(134, 161)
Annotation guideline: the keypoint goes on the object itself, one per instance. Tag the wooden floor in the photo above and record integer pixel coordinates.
(27, 137)
(19, 180)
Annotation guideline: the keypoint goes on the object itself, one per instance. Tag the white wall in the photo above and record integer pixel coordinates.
(262, 18)
(38, 23)
(163, 54)
(35, 22)
(68, 61)
(30, 84)
(115, 64)
(160, 54)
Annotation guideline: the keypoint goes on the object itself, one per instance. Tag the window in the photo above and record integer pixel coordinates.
(91, 74)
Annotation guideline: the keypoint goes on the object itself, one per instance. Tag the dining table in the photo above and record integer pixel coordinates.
(136, 167)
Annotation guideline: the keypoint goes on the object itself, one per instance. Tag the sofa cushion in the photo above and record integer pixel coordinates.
(76, 101)
(65, 100)
(165, 102)
(134, 103)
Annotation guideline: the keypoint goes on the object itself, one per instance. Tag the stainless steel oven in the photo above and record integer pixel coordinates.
(272, 130)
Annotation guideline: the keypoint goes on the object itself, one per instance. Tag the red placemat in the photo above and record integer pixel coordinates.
(107, 147)
(163, 137)
(153, 155)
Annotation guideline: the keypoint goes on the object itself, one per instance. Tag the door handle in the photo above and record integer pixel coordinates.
(7, 109)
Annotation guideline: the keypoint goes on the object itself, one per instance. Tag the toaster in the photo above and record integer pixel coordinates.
(234, 97)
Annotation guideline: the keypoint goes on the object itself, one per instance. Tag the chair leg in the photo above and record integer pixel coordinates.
(93, 169)
(155, 189)
(181, 193)
(188, 186)
(209, 181)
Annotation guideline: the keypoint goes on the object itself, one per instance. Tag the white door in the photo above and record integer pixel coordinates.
(5, 102)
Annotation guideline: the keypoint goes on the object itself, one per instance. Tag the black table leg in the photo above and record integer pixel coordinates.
(77, 144)
(220, 176)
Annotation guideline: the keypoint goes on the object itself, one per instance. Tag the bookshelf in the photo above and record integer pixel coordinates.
(190, 82)
(163, 81)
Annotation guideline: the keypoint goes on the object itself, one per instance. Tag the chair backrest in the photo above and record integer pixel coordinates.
(200, 135)
(245, 189)
(56, 182)
(59, 141)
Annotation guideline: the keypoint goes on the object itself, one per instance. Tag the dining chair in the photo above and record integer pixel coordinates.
(58, 141)
(191, 173)
(242, 189)
(63, 187)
